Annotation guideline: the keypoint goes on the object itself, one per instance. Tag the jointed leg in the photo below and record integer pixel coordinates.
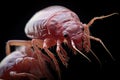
(16, 43)
(95, 56)
(62, 53)
(52, 56)
(101, 17)
(99, 40)
(41, 60)
(35, 44)
(74, 47)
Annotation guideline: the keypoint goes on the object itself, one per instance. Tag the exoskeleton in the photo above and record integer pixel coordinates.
(23, 64)
(55, 25)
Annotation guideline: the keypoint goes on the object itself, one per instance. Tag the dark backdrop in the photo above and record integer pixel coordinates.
(15, 14)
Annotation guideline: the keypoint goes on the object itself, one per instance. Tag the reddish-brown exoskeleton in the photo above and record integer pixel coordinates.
(56, 25)
(23, 64)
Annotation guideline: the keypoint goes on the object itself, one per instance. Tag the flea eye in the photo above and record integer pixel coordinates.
(65, 35)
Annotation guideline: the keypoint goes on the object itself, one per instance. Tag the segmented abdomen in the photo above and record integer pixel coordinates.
(36, 26)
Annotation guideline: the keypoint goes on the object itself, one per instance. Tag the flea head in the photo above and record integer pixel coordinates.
(77, 37)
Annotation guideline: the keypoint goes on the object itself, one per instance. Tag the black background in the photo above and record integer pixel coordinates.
(15, 14)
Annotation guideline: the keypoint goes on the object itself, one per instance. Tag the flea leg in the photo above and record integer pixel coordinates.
(30, 76)
(16, 43)
(73, 45)
(62, 53)
(99, 40)
(51, 55)
(101, 17)
(70, 46)
(95, 56)
(39, 44)
(43, 67)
